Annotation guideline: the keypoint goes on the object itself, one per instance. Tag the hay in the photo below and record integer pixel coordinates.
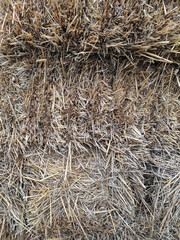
(90, 120)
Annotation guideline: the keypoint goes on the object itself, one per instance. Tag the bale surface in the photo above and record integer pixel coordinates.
(90, 119)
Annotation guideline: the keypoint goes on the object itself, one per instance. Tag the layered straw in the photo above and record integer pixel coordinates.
(90, 119)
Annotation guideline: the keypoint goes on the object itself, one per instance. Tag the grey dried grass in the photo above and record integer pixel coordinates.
(90, 119)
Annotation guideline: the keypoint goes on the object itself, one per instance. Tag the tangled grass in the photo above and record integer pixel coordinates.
(90, 119)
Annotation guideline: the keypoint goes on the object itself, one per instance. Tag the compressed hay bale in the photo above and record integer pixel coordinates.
(89, 120)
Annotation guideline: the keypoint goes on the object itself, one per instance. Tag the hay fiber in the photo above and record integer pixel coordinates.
(90, 120)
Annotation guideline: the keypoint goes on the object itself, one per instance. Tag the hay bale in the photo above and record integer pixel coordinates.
(90, 118)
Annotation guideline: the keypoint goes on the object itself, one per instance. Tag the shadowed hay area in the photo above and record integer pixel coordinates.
(90, 120)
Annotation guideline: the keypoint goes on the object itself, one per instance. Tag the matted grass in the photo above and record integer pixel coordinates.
(90, 120)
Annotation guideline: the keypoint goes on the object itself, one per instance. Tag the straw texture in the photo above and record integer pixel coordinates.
(90, 120)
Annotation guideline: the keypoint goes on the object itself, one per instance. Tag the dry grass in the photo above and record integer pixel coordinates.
(90, 120)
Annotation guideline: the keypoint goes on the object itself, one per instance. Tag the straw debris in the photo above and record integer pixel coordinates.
(90, 119)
